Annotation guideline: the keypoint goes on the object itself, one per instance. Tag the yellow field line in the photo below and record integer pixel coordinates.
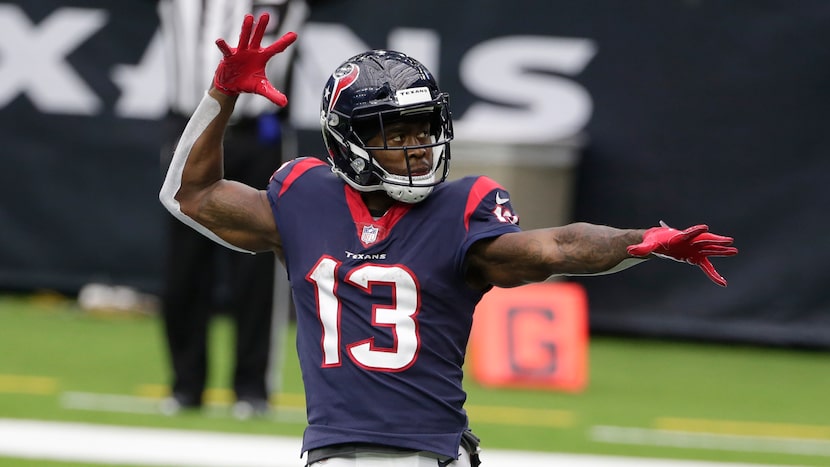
(731, 427)
(18, 384)
(518, 416)
(156, 391)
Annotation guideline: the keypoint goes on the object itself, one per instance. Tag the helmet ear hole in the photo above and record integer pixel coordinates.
(333, 119)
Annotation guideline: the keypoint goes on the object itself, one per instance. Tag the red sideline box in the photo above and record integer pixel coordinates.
(533, 336)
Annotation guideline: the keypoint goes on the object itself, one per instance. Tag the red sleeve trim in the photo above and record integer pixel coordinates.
(298, 170)
(480, 188)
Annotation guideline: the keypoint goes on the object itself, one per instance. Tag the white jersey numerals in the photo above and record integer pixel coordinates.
(400, 316)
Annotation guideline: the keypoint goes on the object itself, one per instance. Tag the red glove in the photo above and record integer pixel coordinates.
(694, 246)
(243, 69)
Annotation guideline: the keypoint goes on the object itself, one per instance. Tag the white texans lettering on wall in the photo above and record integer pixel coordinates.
(539, 106)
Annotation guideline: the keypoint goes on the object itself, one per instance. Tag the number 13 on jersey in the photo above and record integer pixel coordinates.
(400, 316)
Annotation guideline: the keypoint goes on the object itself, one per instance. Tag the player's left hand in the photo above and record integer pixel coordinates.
(243, 68)
(693, 245)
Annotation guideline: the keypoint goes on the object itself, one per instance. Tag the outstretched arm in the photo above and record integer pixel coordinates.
(587, 249)
(534, 255)
(195, 191)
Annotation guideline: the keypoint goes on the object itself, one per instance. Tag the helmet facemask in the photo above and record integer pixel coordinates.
(408, 187)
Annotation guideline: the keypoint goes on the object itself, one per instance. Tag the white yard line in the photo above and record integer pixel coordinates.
(151, 405)
(180, 448)
(712, 441)
(109, 403)
(146, 446)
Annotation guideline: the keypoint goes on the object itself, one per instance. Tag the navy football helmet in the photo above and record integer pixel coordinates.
(374, 89)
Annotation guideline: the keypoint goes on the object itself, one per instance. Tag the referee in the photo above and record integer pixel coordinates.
(202, 278)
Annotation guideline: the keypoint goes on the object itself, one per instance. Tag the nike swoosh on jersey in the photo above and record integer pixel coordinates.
(500, 200)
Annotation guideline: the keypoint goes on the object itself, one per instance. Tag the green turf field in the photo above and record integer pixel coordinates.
(645, 398)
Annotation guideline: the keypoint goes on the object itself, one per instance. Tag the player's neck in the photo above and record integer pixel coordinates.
(378, 202)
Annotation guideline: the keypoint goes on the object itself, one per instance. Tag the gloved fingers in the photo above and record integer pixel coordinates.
(694, 231)
(642, 249)
(710, 271)
(281, 44)
(271, 93)
(709, 238)
(707, 243)
(717, 250)
(259, 31)
(224, 47)
(245, 34)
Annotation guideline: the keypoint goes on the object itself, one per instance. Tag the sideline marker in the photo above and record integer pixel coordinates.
(534, 336)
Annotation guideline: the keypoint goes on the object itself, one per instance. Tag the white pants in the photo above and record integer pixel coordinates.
(369, 459)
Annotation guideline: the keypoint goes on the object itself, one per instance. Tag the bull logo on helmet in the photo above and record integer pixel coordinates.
(344, 77)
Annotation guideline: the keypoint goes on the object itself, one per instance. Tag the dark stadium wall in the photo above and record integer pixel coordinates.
(685, 111)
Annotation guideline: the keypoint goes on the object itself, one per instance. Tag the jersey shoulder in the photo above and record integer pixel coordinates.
(484, 198)
(291, 171)
(475, 185)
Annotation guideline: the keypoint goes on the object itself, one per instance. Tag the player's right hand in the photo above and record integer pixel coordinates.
(243, 68)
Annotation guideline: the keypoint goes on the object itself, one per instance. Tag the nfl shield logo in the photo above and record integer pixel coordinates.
(369, 235)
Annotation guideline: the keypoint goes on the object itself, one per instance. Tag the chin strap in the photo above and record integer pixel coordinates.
(207, 110)
(407, 194)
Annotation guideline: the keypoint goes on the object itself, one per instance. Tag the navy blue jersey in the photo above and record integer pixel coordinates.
(383, 312)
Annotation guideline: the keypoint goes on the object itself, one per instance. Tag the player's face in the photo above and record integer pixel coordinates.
(404, 157)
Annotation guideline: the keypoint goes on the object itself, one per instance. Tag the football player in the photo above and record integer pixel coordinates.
(387, 260)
